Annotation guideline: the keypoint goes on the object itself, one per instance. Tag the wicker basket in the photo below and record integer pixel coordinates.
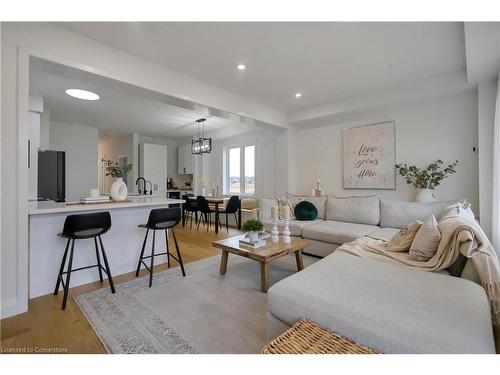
(306, 337)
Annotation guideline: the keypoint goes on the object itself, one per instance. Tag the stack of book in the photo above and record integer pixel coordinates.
(98, 199)
(254, 245)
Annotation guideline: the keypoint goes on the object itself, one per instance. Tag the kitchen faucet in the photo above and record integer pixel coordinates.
(143, 185)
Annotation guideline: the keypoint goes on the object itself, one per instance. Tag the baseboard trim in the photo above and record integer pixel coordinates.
(10, 308)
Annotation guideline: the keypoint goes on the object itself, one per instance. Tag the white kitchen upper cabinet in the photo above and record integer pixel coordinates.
(185, 160)
(153, 167)
(33, 145)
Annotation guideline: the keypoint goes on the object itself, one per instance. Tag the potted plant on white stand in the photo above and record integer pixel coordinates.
(118, 189)
(427, 179)
(252, 227)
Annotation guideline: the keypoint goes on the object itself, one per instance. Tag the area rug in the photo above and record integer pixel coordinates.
(204, 312)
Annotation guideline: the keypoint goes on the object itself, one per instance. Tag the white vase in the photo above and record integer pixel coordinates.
(425, 196)
(253, 236)
(119, 190)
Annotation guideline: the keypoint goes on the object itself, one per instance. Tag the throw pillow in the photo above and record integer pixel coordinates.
(426, 241)
(305, 211)
(290, 202)
(319, 202)
(402, 240)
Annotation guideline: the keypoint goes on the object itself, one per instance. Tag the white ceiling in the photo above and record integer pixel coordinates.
(324, 61)
(122, 109)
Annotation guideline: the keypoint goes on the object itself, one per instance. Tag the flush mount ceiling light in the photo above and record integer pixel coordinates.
(298, 95)
(82, 94)
(241, 67)
(201, 145)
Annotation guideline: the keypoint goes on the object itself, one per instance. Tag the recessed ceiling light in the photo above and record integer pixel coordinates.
(298, 95)
(241, 67)
(82, 94)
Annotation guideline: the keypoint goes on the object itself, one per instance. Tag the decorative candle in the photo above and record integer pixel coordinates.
(286, 212)
(275, 212)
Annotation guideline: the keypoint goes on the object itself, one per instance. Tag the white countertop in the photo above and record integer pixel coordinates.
(40, 208)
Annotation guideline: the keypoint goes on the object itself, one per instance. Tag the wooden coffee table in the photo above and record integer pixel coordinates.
(264, 254)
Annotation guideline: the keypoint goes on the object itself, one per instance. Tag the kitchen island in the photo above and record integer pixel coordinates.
(122, 243)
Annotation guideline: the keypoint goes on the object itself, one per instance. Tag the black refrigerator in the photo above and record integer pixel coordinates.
(52, 175)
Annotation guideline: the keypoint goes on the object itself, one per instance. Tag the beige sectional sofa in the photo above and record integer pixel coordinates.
(389, 307)
(344, 219)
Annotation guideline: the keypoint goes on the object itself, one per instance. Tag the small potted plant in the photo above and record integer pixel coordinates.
(118, 190)
(426, 180)
(253, 227)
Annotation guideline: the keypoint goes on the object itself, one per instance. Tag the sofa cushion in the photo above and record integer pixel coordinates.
(392, 308)
(384, 233)
(319, 202)
(361, 210)
(337, 232)
(296, 226)
(396, 214)
(306, 211)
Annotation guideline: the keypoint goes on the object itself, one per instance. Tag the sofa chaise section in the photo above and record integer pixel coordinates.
(392, 308)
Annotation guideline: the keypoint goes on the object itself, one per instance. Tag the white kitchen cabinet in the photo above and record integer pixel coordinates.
(185, 160)
(153, 167)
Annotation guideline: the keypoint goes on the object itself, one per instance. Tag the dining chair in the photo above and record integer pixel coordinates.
(190, 208)
(205, 212)
(232, 207)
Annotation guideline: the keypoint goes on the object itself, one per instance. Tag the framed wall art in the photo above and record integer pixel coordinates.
(369, 156)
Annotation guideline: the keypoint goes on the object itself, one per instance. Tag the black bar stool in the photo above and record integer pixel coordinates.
(160, 219)
(80, 227)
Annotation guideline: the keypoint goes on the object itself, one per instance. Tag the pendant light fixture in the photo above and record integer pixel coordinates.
(201, 145)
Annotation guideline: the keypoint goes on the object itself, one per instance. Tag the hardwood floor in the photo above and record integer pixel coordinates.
(46, 328)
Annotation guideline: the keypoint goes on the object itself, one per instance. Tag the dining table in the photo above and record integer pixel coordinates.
(216, 202)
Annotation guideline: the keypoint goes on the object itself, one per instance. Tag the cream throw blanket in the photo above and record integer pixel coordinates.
(460, 235)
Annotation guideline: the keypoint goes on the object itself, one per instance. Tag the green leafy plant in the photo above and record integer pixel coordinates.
(115, 170)
(252, 225)
(428, 177)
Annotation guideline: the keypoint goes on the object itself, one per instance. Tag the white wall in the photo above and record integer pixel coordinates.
(45, 129)
(487, 93)
(443, 127)
(172, 158)
(267, 143)
(109, 148)
(495, 223)
(80, 144)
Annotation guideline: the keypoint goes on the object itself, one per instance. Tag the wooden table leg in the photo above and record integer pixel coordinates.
(264, 276)
(223, 262)
(299, 260)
